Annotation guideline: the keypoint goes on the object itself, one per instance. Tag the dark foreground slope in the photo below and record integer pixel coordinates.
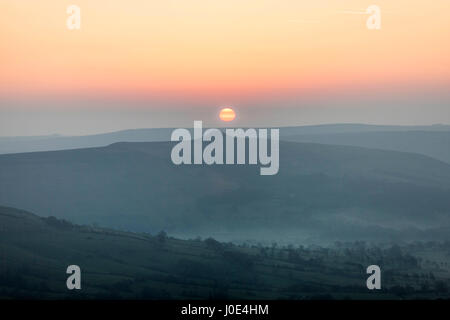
(35, 253)
(321, 193)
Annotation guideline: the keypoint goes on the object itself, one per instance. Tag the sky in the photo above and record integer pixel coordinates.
(148, 63)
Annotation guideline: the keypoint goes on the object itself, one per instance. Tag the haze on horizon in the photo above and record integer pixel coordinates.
(150, 64)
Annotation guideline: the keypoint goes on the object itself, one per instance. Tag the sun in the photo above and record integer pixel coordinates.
(227, 114)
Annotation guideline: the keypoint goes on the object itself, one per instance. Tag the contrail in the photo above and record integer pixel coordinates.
(352, 12)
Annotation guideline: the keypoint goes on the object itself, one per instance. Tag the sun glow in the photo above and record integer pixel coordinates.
(227, 114)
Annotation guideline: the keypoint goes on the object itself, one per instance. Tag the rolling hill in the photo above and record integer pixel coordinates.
(35, 253)
(295, 133)
(322, 193)
(435, 144)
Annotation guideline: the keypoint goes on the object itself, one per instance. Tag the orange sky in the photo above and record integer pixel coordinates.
(208, 48)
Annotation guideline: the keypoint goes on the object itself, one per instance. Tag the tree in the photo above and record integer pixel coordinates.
(161, 236)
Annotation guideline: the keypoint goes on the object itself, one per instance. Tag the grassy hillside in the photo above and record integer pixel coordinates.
(321, 193)
(35, 253)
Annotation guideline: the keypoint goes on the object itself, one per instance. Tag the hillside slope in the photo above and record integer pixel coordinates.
(57, 142)
(320, 193)
(435, 144)
(35, 253)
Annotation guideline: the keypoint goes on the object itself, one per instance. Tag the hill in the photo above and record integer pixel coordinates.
(36, 251)
(435, 144)
(57, 142)
(321, 194)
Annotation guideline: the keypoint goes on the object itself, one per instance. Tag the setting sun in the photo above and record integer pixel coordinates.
(227, 114)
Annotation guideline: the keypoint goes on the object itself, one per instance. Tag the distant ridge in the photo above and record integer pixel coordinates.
(58, 142)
